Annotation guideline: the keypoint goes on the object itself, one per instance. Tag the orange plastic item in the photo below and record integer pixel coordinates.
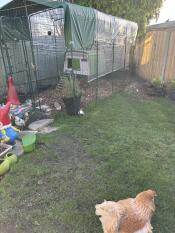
(12, 94)
(4, 114)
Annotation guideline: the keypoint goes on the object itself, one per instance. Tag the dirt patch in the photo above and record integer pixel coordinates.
(67, 150)
(105, 87)
(97, 89)
(52, 95)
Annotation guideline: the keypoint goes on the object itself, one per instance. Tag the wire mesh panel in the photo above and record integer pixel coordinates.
(118, 54)
(16, 52)
(48, 43)
(110, 49)
(2, 76)
(40, 40)
(31, 46)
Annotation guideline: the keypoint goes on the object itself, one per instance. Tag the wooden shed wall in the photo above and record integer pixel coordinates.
(155, 55)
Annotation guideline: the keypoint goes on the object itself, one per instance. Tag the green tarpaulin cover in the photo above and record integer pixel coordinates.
(80, 24)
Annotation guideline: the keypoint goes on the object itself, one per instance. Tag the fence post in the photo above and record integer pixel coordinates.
(125, 50)
(113, 65)
(166, 51)
(55, 40)
(29, 79)
(33, 56)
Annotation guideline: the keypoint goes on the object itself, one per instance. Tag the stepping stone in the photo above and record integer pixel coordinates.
(38, 125)
(48, 129)
(18, 148)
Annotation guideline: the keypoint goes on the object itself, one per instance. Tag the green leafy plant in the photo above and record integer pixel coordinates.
(157, 83)
(71, 87)
(171, 84)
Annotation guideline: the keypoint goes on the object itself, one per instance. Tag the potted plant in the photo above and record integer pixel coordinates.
(71, 95)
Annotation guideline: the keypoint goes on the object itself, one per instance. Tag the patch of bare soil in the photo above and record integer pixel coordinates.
(102, 88)
(52, 95)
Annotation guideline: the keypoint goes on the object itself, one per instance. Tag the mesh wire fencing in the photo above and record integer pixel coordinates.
(47, 30)
(33, 51)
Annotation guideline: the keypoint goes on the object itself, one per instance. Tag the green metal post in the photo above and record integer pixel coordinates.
(28, 70)
(56, 52)
(97, 83)
(113, 47)
(32, 51)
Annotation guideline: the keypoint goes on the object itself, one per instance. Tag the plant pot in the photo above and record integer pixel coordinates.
(72, 105)
(4, 167)
(12, 158)
(29, 142)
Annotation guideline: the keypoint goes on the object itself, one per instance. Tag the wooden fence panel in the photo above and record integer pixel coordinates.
(170, 65)
(155, 56)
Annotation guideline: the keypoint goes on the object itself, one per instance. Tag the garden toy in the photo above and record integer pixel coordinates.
(12, 158)
(20, 113)
(8, 133)
(3, 136)
(4, 167)
(4, 114)
(12, 96)
(16, 111)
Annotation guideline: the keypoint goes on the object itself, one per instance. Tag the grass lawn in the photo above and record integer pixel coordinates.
(123, 146)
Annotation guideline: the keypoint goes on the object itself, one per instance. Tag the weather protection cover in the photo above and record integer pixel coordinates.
(79, 25)
(83, 26)
(109, 28)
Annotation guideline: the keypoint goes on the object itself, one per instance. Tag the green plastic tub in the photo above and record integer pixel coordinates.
(4, 167)
(29, 142)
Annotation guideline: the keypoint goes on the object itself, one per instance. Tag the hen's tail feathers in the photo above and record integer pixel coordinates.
(150, 228)
(110, 216)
